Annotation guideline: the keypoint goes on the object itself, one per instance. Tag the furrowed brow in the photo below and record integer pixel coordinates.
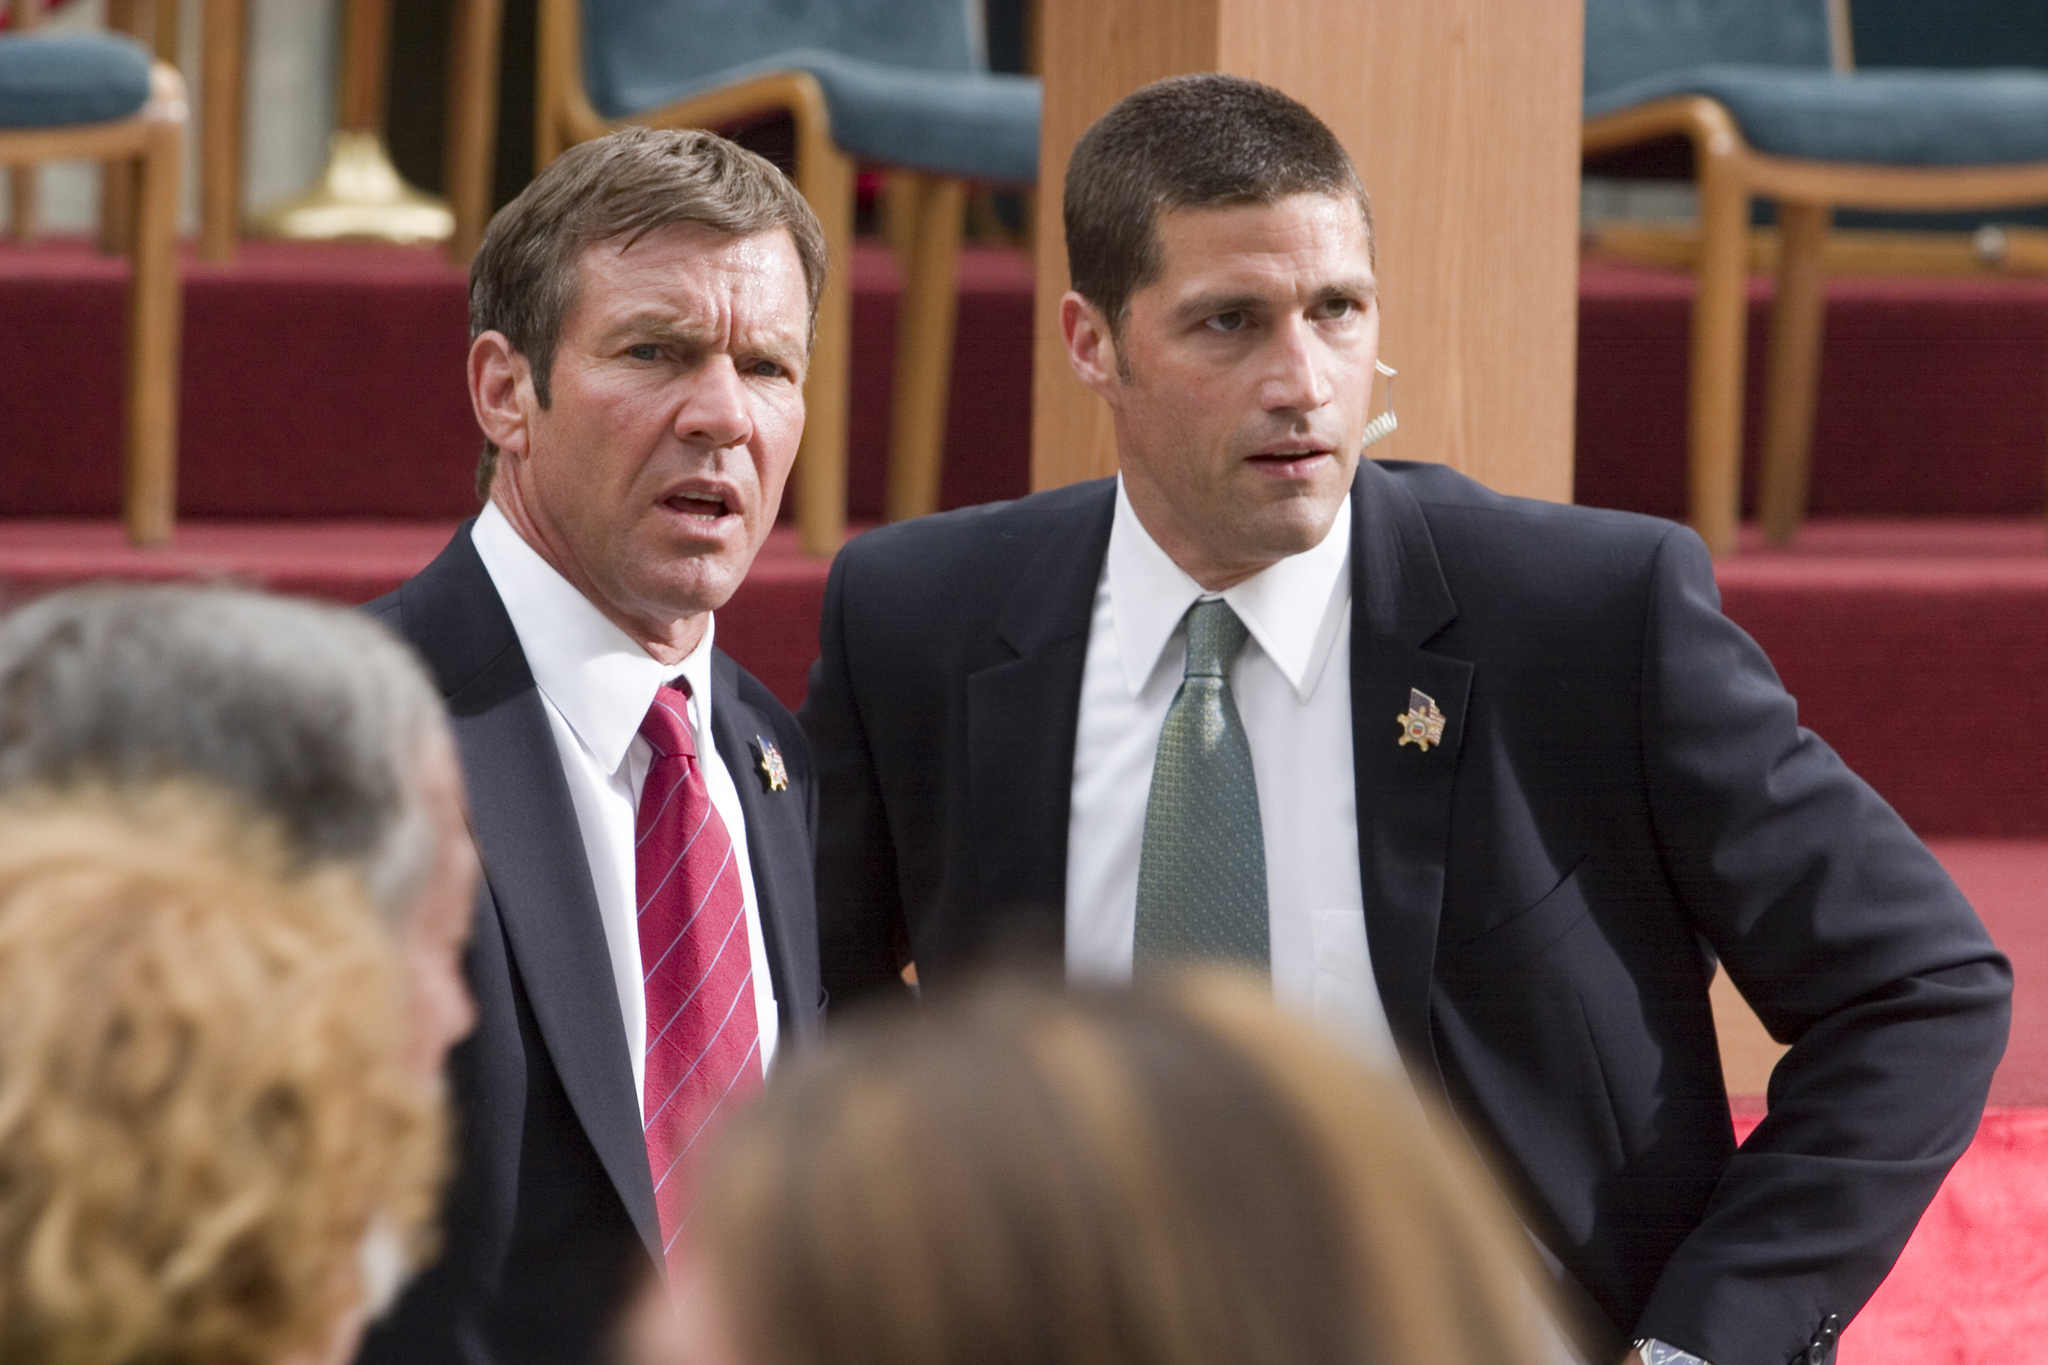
(658, 328)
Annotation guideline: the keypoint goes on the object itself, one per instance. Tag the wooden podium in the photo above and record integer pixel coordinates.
(1463, 119)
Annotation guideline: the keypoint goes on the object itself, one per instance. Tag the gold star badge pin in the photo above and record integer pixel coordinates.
(774, 772)
(1423, 725)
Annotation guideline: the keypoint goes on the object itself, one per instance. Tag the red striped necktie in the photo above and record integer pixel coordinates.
(703, 1038)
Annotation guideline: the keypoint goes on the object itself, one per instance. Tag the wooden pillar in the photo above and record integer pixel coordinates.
(1463, 119)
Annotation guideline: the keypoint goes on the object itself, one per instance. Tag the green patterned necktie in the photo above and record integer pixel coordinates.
(1202, 874)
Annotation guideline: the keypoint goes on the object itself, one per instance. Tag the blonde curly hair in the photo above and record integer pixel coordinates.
(204, 1119)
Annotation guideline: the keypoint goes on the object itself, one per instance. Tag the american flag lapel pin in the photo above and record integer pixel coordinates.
(1423, 725)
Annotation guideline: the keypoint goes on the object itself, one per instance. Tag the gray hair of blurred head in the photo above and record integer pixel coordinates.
(311, 714)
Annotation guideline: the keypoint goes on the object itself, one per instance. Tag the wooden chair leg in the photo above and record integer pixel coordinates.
(149, 486)
(1719, 322)
(825, 175)
(924, 352)
(24, 203)
(897, 210)
(137, 19)
(1796, 323)
(24, 183)
(472, 121)
(117, 207)
(222, 59)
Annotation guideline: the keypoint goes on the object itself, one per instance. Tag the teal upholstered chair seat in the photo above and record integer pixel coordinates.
(1898, 118)
(907, 81)
(975, 125)
(56, 81)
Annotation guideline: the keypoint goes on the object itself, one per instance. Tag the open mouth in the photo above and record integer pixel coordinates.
(1288, 461)
(701, 506)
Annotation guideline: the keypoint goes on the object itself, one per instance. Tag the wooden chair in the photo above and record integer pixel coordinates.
(154, 24)
(1765, 93)
(896, 82)
(101, 99)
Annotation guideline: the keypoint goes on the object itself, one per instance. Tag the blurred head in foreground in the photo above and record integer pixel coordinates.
(1176, 1177)
(213, 1150)
(314, 717)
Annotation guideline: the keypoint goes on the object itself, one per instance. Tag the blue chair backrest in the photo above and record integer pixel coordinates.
(639, 45)
(1627, 40)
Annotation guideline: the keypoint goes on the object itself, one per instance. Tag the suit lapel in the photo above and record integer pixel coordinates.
(778, 846)
(1022, 714)
(532, 850)
(1399, 600)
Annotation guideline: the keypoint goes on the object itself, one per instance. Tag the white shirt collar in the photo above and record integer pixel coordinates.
(595, 674)
(1287, 607)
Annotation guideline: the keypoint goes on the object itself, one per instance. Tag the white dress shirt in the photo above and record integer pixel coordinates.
(596, 684)
(1292, 685)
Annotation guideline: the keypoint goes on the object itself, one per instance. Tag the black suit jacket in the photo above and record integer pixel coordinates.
(1622, 793)
(551, 1217)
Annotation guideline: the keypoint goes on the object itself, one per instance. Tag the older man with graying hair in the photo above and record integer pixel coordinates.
(313, 716)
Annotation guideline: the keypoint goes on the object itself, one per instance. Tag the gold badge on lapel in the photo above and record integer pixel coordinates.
(1424, 724)
(768, 758)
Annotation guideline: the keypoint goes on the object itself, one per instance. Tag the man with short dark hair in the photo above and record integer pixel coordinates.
(1483, 783)
(641, 319)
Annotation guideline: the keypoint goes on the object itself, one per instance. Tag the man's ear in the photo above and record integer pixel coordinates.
(1091, 349)
(501, 391)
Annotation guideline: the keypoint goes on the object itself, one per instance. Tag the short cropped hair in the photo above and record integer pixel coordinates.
(312, 715)
(1169, 1177)
(1201, 141)
(639, 180)
(211, 1147)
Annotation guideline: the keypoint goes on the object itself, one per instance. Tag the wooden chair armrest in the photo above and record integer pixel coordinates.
(796, 93)
(1706, 122)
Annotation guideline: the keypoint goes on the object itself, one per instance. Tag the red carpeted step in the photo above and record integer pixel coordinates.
(770, 626)
(319, 381)
(1933, 394)
(1917, 649)
(326, 381)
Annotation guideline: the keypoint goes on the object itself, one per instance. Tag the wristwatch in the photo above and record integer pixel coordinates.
(1655, 1352)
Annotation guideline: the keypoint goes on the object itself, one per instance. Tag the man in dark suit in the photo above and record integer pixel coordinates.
(1483, 782)
(646, 937)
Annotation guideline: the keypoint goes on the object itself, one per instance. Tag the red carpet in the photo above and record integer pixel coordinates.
(1933, 394)
(1917, 649)
(325, 381)
(771, 625)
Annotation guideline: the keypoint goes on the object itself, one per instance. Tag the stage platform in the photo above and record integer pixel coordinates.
(1916, 647)
(325, 381)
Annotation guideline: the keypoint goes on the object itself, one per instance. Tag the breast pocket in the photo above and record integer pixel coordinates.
(1525, 933)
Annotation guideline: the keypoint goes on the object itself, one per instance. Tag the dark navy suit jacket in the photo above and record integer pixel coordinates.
(1622, 794)
(550, 1220)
